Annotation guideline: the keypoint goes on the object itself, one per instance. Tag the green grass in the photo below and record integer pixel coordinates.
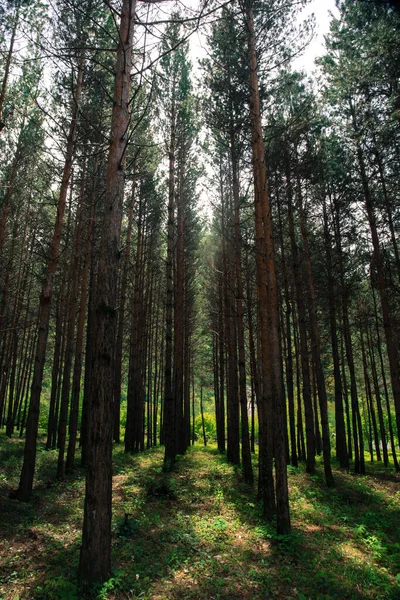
(198, 533)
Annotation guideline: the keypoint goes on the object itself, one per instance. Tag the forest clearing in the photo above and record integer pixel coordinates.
(198, 533)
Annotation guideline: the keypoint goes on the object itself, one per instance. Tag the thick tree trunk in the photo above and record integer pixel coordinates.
(95, 558)
(272, 395)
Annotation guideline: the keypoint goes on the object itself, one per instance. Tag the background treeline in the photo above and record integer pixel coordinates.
(126, 313)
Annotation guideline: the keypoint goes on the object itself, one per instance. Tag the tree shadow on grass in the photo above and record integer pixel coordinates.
(344, 542)
(198, 533)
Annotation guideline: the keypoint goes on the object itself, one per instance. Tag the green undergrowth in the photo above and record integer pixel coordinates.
(198, 533)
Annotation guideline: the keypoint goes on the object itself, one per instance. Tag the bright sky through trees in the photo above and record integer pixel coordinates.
(322, 9)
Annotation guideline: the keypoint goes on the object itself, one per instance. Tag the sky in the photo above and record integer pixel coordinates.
(321, 10)
(198, 50)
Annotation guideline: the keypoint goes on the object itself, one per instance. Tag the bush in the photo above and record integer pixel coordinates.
(210, 426)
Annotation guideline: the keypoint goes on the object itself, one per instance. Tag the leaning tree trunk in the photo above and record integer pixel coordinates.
(24, 491)
(95, 557)
(8, 62)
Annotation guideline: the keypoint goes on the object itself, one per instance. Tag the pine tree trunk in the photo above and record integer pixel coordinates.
(391, 342)
(368, 394)
(305, 367)
(221, 369)
(169, 398)
(121, 320)
(24, 491)
(382, 429)
(76, 378)
(272, 395)
(202, 415)
(71, 321)
(8, 62)
(246, 453)
(232, 383)
(95, 557)
(341, 449)
(288, 347)
(359, 466)
(179, 311)
(385, 387)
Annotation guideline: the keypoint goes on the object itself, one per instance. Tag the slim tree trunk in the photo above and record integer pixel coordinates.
(202, 415)
(305, 366)
(391, 342)
(24, 491)
(359, 465)
(169, 398)
(288, 346)
(232, 383)
(221, 363)
(382, 429)
(316, 344)
(121, 320)
(76, 378)
(385, 387)
(6, 75)
(255, 392)
(179, 311)
(71, 321)
(368, 395)
(341, 449)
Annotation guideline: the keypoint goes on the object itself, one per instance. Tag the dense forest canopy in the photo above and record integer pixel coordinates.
(198, 257)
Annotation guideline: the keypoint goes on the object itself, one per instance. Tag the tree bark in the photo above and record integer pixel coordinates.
(272, 396)
(24, 491)
(341, 449)
(95, 557)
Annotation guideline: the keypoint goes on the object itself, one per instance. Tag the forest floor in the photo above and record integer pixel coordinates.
(198, 533)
